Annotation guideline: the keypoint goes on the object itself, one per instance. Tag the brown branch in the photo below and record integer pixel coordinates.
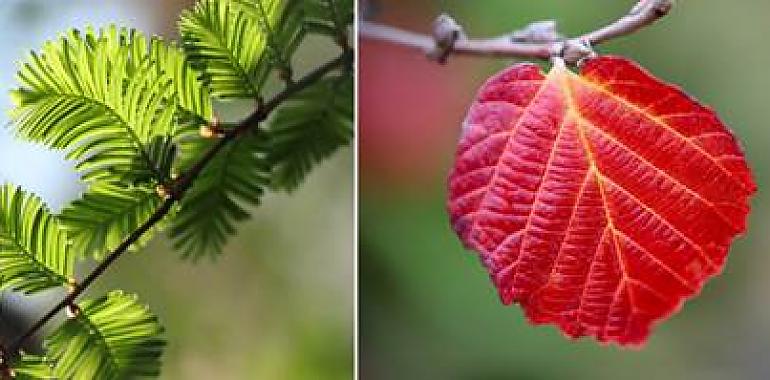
(538, 40)
(181, 185)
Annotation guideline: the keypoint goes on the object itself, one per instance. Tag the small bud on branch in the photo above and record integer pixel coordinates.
(72, 311)
(446, 31)
(212, 130)
(163, 191)
(72, 285)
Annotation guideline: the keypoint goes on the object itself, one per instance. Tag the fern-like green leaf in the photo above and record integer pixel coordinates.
(100, 96)
(32, 367)
(193, 99)
(112, 337)
(105, 215)
(310, 128)
(281, 21)
(34, 254)
(218, 199)
(228, 42)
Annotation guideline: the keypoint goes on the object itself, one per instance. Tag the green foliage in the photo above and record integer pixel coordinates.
(266, 33)
(105, 215)
(128, 109)
(228, 44)
(34, 255)
(98, 95)
(234, 179)
(112, 337)
(281, 22)
(310, 128)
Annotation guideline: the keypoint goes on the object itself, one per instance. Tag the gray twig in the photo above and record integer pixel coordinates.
(539, 40)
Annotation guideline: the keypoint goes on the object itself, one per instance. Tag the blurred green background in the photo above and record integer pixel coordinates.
(428, 309)
(278, 304)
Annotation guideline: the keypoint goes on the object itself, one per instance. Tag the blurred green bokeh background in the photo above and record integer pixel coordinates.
(428, 310)
(278, 304)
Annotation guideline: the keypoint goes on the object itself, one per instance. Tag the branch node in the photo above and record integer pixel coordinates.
(72, 285)
(446, 31)
(212, 129)
(163, 191)
(72, 310)
(576, 50)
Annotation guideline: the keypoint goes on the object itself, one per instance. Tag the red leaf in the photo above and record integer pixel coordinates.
(599, 201)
